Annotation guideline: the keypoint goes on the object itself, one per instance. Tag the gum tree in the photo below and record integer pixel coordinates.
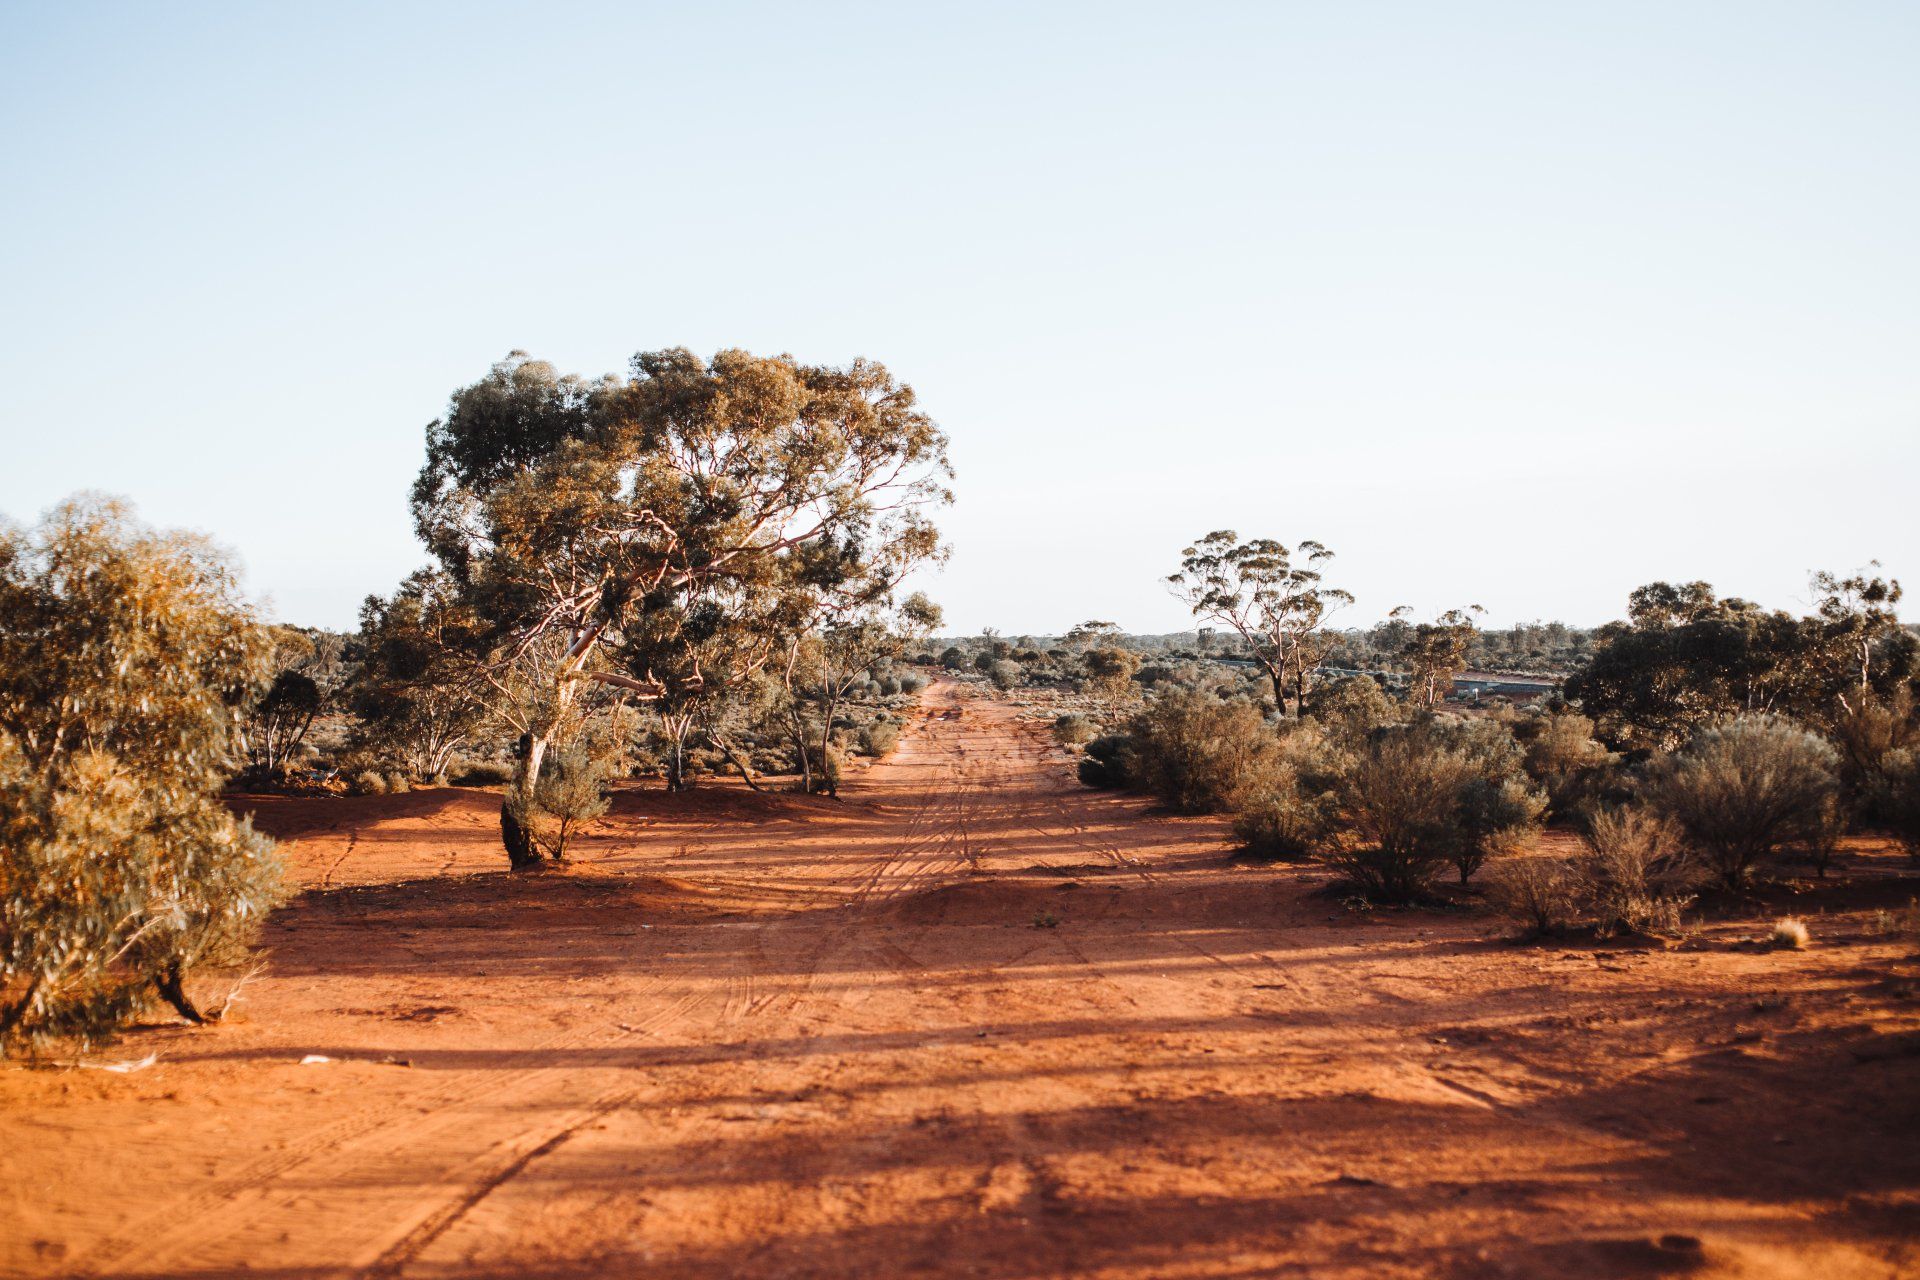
(1272, 596)
(565, 510)
(127, 658)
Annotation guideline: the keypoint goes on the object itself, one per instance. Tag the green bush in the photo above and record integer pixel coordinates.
(1419, 796)
(879, 739)
(1072, 729)
(125, 656)
(1005, 674)
(1750, 788)
(482, 773)
(1284, 821)
(1198, 754)
(572, 790)
(1564, 759)
(1542, 893)
(1895, 796)
(1106, 762)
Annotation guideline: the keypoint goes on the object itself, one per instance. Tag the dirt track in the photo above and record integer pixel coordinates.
(972, 1021)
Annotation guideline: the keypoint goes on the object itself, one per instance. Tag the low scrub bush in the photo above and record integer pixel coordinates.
(879, 739)
(1638, 873)
(1005, 674)
(1352, 708)
(1564, 760)
(1418, 797)
(1896, 797)
(1072, 729)
(1284, 821)
(571, 791)
(1789, 934)
(1105, 763)
(1198, 754)
(482, 773)
(1542, 893)
(1748, 789)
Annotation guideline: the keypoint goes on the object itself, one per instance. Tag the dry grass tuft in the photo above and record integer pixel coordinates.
(1789, 934)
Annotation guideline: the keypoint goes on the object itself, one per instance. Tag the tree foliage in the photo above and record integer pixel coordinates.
(565, 512)
(1271, 595)
(127, 658)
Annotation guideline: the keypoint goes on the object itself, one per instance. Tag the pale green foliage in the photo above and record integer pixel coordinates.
(1564, 759)
(572, 790)
(1071, 730)
(1110, 673)
(1419, 796)
(126, 657)
(1750, 788)
(1285, 820)
(1201, 755)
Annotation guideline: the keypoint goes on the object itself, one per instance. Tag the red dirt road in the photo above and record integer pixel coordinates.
(971, 1021)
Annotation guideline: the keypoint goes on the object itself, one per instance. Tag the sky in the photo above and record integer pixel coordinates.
(1520, 305)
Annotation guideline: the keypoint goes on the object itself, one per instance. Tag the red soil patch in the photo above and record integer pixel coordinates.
(972, 1020)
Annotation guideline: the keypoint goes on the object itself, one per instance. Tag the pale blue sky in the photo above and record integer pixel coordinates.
(1523, 304)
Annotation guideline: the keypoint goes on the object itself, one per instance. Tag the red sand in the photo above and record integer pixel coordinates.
(971, 1021)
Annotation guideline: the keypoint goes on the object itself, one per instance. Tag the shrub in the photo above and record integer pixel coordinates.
(1110, 673)
(398, 783)
(912, 683)
(879, 738)
(1896, 797)
(1284, 821)
(571, 791)
(1868, 734)
(1497, 815)
(1005, 674)
(1071, 730)
(1353, 707)
(366, 782)
(1426, 794)
(1638, 872)
(1543, 893)
(125, 656)
(1201, 755)
(1565, 760)
(1106, 763)
(1789, 934)
(482, 773)
(1750, 788)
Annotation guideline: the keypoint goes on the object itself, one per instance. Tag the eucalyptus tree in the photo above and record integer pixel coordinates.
(566, 510)
(417, 692)
(1436, 652)
(127, 659)
(822, 669)
(705, 646)
(1272, 596)
(1859, 630)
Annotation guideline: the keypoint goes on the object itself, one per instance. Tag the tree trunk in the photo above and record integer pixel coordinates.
(826, 750)
(522, 852)
(171, 984)
(1279, 677)
(746, 774)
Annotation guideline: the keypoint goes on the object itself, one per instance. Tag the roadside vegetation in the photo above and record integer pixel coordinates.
(695, 569)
